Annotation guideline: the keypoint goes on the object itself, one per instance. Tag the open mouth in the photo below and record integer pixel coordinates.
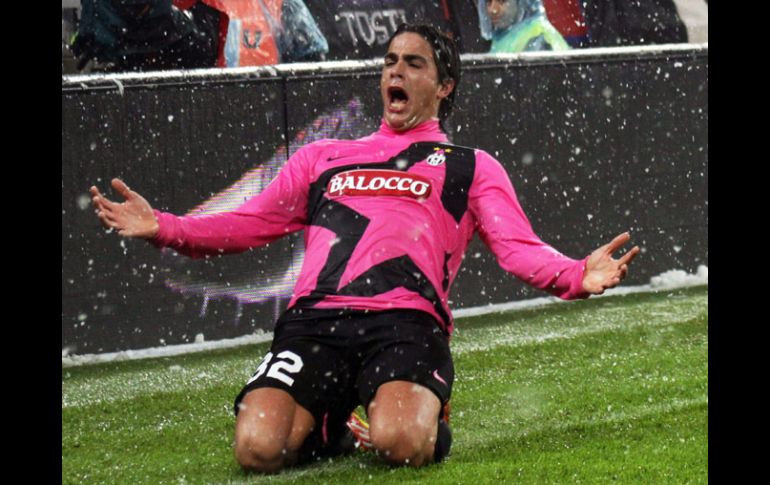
(398, 97)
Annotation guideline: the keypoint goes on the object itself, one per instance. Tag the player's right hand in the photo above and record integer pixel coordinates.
(132, 218)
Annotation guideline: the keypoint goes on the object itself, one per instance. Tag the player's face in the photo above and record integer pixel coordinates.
(409, 85)
(502, 12)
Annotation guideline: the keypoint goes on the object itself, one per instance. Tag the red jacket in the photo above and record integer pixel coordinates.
(247, 33)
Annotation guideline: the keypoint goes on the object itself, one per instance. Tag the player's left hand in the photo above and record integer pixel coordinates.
(602, 271)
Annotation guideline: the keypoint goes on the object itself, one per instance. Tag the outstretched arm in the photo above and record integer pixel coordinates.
(278, 210)
(132, 218)
(504, 227)
(602, 271)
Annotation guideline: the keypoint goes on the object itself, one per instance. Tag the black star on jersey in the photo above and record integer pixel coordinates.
(350, 226)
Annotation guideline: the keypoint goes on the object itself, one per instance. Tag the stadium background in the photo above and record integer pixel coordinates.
(596, 142)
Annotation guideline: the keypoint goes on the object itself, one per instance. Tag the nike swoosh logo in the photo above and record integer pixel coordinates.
(438, 378)
(331, 159)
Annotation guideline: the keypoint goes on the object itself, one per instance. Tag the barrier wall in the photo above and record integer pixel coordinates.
(596, 143)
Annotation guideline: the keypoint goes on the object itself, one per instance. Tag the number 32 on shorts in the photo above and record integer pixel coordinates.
(287, 362)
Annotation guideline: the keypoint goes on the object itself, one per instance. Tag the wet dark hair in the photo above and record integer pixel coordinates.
(445, 55)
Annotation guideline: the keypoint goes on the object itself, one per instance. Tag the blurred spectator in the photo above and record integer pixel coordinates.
(567, 17)
(695, 15)
(69, 20)
(140, 35)
(518, 26)
(633, 22)
(136, 35)
(262, 32)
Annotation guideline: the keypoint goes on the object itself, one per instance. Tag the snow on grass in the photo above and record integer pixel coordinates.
(631, 414)
(615, 315)
(258, 337)
(671, 279)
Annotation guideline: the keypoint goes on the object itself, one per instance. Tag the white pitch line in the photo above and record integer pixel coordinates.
(595, 320)
(175, 378)
(669, 280)
(167, 351)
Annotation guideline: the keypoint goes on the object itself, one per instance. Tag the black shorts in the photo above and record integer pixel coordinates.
(331, 364)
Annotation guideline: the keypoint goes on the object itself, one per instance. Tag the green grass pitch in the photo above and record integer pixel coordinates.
(606, 390)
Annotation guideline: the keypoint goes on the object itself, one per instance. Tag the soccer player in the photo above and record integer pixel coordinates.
(387, 219)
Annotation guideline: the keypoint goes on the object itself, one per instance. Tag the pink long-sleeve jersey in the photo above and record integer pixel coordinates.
(387, 219)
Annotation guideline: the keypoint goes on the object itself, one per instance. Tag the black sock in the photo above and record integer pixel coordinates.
(311, 448)
(340, 440)
(443, 442)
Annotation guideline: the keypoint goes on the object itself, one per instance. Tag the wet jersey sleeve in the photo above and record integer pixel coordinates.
(278, 210)
(505, 229)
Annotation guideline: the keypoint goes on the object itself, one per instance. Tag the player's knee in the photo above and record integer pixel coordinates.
(256, 454)
(403, 445)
